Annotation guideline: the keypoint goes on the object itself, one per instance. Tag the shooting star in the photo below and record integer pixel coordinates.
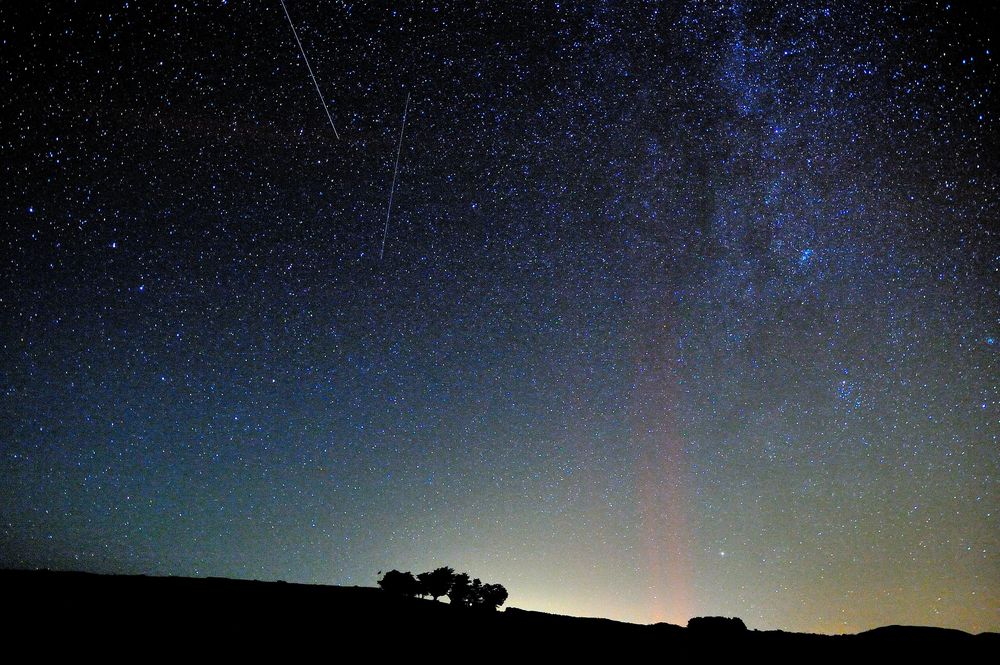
(395, 172)
(309, 67)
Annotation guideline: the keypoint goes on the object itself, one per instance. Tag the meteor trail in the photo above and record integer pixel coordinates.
(309, 67)
(395, 171)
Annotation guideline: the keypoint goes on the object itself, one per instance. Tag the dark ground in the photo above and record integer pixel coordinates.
(136, 617)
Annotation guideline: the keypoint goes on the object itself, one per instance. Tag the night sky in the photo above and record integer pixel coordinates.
(685, 308)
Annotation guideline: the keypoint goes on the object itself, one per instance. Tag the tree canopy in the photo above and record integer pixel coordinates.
(436, 583)
(403, 584)
(461, 590)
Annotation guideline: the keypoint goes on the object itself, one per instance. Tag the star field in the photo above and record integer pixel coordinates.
(685, 308)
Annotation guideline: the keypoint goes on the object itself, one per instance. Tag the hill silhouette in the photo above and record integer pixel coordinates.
(71, 613)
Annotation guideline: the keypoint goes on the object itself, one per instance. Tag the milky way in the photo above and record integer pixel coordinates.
(688, 308)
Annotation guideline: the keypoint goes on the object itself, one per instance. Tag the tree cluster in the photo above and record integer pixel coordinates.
(458, 587)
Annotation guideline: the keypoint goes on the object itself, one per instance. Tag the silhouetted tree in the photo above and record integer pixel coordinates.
(437, 583)
(493, 596)
(404, 584)
(460, 589)
(444, 581)
(476, 593)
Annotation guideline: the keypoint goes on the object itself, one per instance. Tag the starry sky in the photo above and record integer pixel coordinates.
(685, 308)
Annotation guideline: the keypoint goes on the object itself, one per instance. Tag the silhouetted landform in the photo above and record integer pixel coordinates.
(76, 614)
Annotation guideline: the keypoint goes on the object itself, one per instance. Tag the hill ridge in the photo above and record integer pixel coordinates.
(76, 602)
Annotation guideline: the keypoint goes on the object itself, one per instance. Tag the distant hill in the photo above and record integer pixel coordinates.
(68, 613)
